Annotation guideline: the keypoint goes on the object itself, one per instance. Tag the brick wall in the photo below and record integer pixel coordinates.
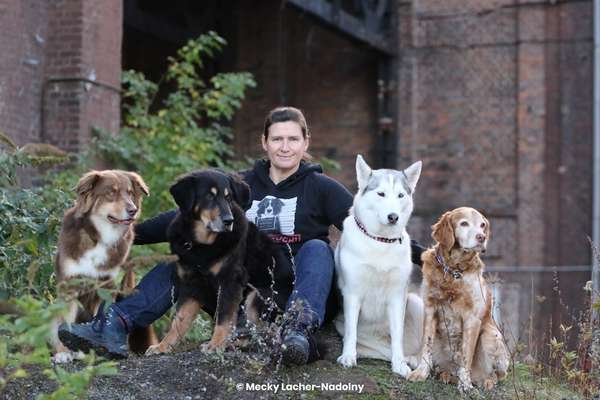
(60, 70)
(22, 44)
(496, 98)
(297, 61)
(83, 71)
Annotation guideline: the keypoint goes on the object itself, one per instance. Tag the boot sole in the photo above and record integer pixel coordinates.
(293, 355)
(76, 343)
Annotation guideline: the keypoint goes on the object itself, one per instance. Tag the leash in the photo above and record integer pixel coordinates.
(378, 238)
(447, 270)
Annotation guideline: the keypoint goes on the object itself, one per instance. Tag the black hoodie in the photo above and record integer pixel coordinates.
(299, 208)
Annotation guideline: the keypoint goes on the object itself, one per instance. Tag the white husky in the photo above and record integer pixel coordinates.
(373, 264)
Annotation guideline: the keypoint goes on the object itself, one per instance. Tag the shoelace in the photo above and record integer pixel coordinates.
(99, 321)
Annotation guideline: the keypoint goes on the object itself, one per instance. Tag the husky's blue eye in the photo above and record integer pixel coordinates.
(381, 194)
(401, 195)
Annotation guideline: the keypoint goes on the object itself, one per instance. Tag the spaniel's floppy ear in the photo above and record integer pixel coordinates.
(443, 231)
(363, 173)
(487, 229)
(138, 183)
(84, 188)
(240, 191)
(184, 192)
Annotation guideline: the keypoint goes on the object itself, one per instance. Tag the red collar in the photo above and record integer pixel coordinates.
(378, 238)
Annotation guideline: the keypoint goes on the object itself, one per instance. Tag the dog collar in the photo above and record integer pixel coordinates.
(447, 270)
(378, 238)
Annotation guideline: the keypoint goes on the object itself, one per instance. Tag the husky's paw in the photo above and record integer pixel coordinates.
(64, 357)
(401, 368)
(347, 360)
(419, 374)
(158, 349)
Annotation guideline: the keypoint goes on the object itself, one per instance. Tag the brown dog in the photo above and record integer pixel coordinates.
(94, 242)
(460, 336)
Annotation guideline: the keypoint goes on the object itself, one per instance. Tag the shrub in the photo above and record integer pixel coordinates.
(23, 341)
(29, 221)
(184, 132)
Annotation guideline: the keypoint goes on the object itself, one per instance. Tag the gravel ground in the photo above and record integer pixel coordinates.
(229, 375)
(190, 374)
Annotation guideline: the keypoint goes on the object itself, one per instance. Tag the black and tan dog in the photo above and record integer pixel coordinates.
(224, 261)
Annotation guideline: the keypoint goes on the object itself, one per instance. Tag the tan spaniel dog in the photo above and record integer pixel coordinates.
(460, 336)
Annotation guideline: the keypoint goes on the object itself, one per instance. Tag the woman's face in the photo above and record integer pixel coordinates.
(285, 145)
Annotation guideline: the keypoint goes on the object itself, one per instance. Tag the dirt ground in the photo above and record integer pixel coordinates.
(191, 374)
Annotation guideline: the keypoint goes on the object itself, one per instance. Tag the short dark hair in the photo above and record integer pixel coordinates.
(284, 114)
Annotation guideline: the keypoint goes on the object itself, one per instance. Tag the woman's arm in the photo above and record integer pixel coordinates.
(337, 200)
(416, 250)
(154, 230)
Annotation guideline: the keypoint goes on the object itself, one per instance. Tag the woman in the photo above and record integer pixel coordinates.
(295, 204)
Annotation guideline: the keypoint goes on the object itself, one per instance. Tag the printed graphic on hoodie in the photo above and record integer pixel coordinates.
(276, 217)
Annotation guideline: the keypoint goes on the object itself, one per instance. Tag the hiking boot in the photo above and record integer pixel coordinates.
(105, 334)
(298, 345)
(298, 348)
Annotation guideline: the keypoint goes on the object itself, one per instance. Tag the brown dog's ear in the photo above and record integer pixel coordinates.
(84, 187)
(138, 183)
(487, 229)
(443, 231)
(87, 182)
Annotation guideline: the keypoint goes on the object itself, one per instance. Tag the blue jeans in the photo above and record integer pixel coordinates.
(153, 297)
(157, 292)
(314, 276)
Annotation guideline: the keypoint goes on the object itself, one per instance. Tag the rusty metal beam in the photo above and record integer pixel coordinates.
(346, 23)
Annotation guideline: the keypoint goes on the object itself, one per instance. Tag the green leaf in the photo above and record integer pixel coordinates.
(106, 295)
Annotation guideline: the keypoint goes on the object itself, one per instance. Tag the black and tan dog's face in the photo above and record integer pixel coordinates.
(207, 198)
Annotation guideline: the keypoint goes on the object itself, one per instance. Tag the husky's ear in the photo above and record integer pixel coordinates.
(184, 192)
(240, 191)
(84, 187)
(412, 175)
(363, 173)
(443, 232)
